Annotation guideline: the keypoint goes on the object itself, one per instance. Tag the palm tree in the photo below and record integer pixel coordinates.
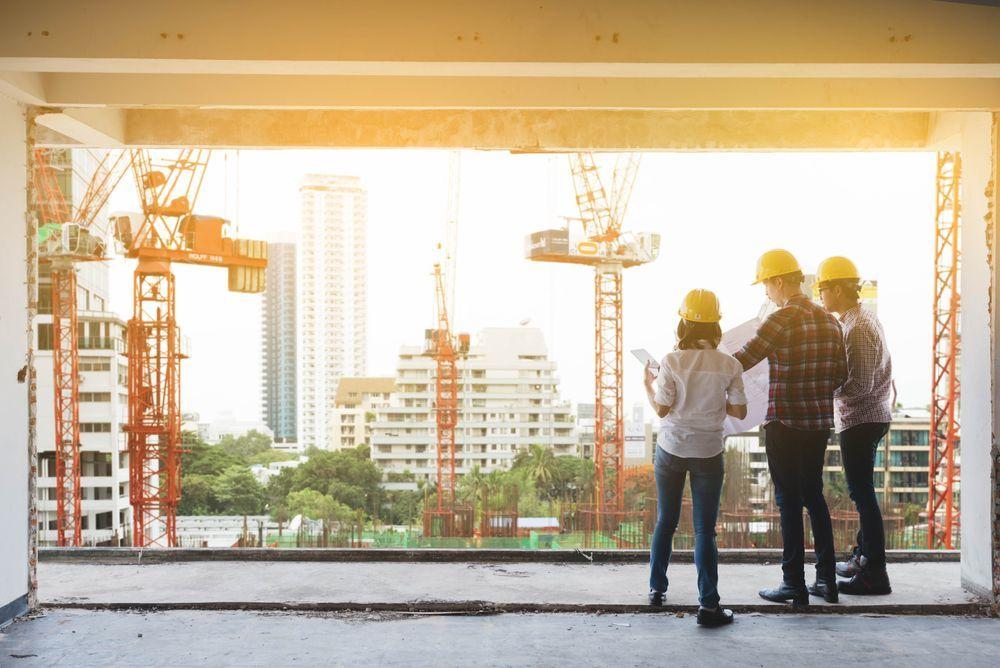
(541, 466)
(470, 486)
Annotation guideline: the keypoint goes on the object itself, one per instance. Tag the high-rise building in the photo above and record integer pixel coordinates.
(103, 392)
(332, 297)
(354, 411)
(509, 400)
(278, 343)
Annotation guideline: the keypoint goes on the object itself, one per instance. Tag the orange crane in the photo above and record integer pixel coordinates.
(446, 348)
(605, 247)
(68, 236)
(943, 478)
(168, 233)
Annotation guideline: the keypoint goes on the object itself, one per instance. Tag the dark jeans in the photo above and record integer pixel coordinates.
(706, 490)
(857, 447)
(795, 458)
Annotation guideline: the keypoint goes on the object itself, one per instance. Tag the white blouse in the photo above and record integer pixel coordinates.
(697, 384)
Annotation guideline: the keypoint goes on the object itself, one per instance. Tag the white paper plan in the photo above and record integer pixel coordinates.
(755, 381)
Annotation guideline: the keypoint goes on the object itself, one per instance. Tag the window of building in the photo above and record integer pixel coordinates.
(95, 397)
(910, 458)
(45, 336)
(909, 437)
(95, 427)
(909, 479)
(102, 520)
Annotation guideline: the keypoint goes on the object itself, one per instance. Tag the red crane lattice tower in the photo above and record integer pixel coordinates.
(67, 236)
(169, 232)
(445, 347)
(606, 248)
(943, 479)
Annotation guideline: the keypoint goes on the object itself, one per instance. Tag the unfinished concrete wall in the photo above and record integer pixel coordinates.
(13, 395)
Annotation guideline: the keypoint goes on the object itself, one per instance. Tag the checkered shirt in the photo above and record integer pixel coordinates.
(864, 397)
(805, 348)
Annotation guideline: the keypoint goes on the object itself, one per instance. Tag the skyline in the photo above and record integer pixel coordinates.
(815, 204)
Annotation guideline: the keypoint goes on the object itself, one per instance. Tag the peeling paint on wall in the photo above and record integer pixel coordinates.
(991, 228)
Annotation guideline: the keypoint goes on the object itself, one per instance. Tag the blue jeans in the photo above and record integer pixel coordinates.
(706, 490)
(857, 447)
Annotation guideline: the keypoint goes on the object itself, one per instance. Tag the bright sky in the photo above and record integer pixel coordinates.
(715, 212)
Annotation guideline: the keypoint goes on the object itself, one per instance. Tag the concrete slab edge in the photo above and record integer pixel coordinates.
(119, 555)
(488, 608)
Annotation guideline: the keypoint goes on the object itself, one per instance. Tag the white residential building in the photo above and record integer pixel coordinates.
(509, 399)
(331, 277)
(103, 399)
(355, 405)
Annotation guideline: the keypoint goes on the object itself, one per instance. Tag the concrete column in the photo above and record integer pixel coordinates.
(14, 495)
(971, 133)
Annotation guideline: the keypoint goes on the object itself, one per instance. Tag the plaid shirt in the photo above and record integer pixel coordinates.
(805, 348)
(864, 397)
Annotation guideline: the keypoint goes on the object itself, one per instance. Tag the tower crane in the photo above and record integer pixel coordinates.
(604, 246)
(446, 348)
(943, 478)
(68, 236)
(168, 232)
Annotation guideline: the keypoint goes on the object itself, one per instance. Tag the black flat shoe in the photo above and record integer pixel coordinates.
(866, 584)
(712, 618)
(825, 588)
(656, 597)
(797, 594)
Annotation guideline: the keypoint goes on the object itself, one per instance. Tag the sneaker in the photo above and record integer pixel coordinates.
(656, 597)
(717, 616)
(851, 567)
(866, 584)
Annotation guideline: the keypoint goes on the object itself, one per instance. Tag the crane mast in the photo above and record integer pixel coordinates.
(604, 246)
(168, 232)
(68, 236)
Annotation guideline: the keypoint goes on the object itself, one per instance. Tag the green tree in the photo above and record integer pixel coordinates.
(270, 456)
(197, 495)
(239, 493)
(348, 476)
(540, 464)
(318, 506)
(249, 444)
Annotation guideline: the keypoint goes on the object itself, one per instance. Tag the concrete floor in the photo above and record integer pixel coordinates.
(188, 638)
(917, 587)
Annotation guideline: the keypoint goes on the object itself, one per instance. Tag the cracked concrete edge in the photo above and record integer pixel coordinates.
(471, 608)
(118, 556)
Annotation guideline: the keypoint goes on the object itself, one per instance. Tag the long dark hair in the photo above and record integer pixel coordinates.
(690, 334)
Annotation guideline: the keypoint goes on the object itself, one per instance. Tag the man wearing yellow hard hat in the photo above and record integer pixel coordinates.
(697, 386)
(805, 349)
(863, 411)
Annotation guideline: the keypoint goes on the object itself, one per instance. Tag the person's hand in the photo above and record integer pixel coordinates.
(649, 376)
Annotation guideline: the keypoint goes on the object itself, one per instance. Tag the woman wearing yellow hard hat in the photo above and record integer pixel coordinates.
(692, 391)
(862, 414)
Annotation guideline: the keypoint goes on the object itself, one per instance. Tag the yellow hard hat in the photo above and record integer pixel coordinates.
(836, 268)
(775, 262)
(700, 306)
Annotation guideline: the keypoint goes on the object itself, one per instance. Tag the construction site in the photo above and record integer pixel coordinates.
(503, 557)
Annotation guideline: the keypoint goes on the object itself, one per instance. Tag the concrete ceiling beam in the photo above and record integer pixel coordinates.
(86, 127)
(303, 92)
(531, 130)
(25, 87)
